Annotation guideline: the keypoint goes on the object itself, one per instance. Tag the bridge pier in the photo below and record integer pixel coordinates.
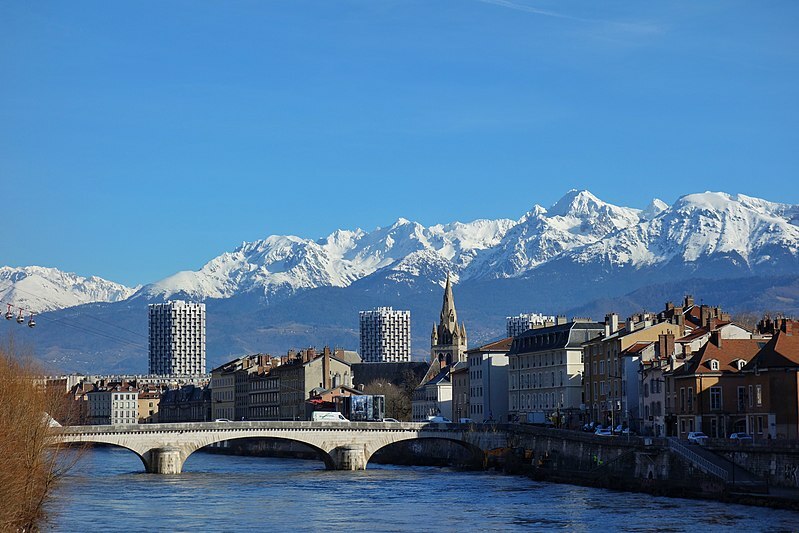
(349, 457)
(167, 460)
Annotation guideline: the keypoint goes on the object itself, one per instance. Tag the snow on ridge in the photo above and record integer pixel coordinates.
(579, 227)
(698, 226)
(40, 289)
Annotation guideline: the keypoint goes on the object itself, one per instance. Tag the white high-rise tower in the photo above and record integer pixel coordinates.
(177, 338)
(385, 335)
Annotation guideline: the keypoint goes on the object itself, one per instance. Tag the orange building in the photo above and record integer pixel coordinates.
(771, 381)
(708, 393)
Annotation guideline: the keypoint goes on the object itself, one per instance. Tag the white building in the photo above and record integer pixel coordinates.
(385, 335)
(434, 397)
(488, 381)
(516, 325)
(115, 406)
(546, 372)
(177, 338)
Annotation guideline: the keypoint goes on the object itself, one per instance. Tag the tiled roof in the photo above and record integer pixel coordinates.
(731, 350)
(502, 345)
(782, 351)
(637, 347)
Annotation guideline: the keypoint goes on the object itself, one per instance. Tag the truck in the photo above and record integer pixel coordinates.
(365, 408)
(327, 416)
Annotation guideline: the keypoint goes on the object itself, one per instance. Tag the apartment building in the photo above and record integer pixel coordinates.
(177, 338)
(385, 335)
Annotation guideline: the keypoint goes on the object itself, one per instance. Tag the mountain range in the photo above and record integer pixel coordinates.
(581, 255)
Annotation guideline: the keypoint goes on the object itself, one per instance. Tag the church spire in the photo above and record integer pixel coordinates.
(449, 317)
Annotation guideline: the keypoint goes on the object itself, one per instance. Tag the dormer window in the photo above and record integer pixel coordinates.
(714, 364)
(739, 364)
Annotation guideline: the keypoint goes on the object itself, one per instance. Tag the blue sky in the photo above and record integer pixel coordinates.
(142, 138)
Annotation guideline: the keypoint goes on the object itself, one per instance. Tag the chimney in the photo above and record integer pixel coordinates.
(669, 306)
(560, 320)
(612, 322)
(326, 368)
(689, 300)
(686, 350)
(715, 337)
(666, 344)
(630, 324)
(787, 327)
(704, 316)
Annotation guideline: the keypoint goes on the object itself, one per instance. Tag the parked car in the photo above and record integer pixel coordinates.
(603, 432)
(741, 438)
(439, 420)
(390, 420)
(697, 437)
(221, 420)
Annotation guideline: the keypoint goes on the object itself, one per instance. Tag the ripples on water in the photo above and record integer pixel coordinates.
(108, 489)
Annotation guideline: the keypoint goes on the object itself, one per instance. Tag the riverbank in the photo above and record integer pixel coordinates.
(647, 466)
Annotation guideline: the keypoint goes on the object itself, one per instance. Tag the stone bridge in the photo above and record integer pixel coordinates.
(163, 448)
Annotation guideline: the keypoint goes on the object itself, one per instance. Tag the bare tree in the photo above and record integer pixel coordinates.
(31, 461)
(398, 403)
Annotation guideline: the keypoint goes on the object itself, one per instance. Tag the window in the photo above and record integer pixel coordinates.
(751, 396)
(741, 398)
(714, 365)
(690, 399)
(682, 399)
(758, 395)
(715, 398)
(602, 366)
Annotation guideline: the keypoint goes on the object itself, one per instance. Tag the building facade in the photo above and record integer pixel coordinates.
(189, 403)
(771, 381)
(709, 392)
(612, 367)
(488, 381)
(545, 372)
(117, 405)
(385, 335)
(177, 338)
(516, 325)
(459, 377)
(302, 374)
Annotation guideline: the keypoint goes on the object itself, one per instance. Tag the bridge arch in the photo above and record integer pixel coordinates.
(323, 455)
(477, 454)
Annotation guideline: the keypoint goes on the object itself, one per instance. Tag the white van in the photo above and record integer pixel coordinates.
(328, 416)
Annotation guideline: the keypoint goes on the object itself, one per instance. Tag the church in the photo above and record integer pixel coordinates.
(433, 396)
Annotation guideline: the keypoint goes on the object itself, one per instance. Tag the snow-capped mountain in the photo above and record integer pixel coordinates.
(577, 219)
(286, 264)
(581, 255)
(745, 233)
(39, 289)
(715, 234)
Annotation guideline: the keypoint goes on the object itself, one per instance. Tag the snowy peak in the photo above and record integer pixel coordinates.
(576, 203)
(38, 289)
(577, 219)
(703, 230)
(745, 233)
(655, 207)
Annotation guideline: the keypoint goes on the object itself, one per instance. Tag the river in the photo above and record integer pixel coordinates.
(107, 489)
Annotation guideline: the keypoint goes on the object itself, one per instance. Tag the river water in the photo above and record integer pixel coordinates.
(108, 489)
